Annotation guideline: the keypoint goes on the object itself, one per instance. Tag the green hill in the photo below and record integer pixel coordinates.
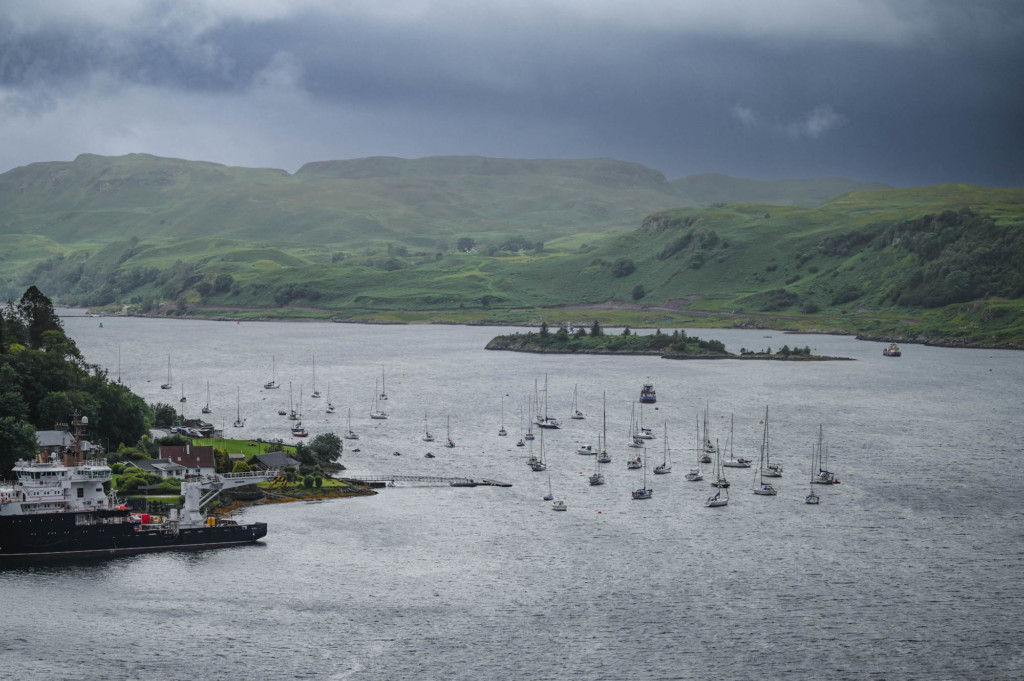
(476, 239)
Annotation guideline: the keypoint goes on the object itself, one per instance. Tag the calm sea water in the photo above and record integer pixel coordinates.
(910, 569)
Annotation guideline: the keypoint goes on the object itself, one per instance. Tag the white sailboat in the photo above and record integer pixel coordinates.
(383, 390)
(644, 492)
(449, 442)
(666, 465)
(597, 477)
(316, 393)
(427, 437)
(717, 499)
(293, 415)
(350, 434)
(547, 421)
(772, 469)
(522, 442)
(330, 405)
(167, 385)
(501, 431)
(375, 411)
(238, 418)
(720, 480)
(576, 413)
(272, 383)
(734, 462)
(183, 398)
(635, 441)
(812, 497)
(206, 407)
(763, 488)
(538, 464)
(298, 430)
(551, 494)
(643, 432)
(824, 476)
(529, 407)
(705, 444)
(697, 474)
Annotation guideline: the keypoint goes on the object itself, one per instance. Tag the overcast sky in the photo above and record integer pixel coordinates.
(909, 92)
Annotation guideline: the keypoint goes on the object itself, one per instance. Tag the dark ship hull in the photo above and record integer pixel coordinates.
(87, 534)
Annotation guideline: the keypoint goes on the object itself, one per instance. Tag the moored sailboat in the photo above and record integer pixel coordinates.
(666, 465)
(763, 488)
(272, 383)
(644, 492)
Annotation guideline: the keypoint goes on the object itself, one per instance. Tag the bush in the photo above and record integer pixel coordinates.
(639, 292)
(623, 267)
(308, 481)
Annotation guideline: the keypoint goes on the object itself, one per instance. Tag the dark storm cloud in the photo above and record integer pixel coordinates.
(909, 92)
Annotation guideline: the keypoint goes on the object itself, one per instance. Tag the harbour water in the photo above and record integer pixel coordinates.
(909, 569)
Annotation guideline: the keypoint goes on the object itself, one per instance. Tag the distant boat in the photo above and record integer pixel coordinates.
(812, 497)
(697, 474)
(427, 437)
(643, 432)
(644, 492)
(272, 383)
(647, 394)
(666, 465)
(330, 405)
(764, 489)
(428, 455)
(720, 480)
(771, 469)
(206, 407)
(183, 398)
(316, 393)
(559, 505)
(449, 442)
(717, 499)
(892, 350)
(706, 445)
(603, 456)
(501, 431)
(547, 421)
(238, 418)
(550, 495)
(383, 391)
(824, 476)
(738, 462)
(529, 407)
(597, 477)
(538, 464)
(375, 411)
(351, 434)
(167, 385)
(576, 413)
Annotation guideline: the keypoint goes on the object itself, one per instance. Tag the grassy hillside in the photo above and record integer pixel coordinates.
(704, 190)
(469, 239)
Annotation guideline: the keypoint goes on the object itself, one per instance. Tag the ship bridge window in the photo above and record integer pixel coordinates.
(81, 492)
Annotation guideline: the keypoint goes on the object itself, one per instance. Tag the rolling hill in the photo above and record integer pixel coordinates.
(507, 240)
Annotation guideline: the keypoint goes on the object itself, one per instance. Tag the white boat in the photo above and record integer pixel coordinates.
(643, 432)
(529, 424)
(293, 415)
(330, 405)
(272, 383)
(350, 434)
(238, 418)
(720, 480)
(501, 431)
(709, 448)
(206, 407)
(576, 414)
(559, 505)
(765, 489)
(316, 393)
(603, 456)
(427, 437)
(635, 441)
(375, 411)
(812, 497)
(538, 463)
(167, 385)
(717, 499)
(635, 463)
(666, 465)
(547, 421)
(183, 398)
(586, 450)
(772, 469)
(697, 474)
(644, 492)
(597, 477)
(449, 443)
(734, 462)
(824, 476)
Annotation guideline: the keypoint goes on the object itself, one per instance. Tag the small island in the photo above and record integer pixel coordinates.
(677, 345)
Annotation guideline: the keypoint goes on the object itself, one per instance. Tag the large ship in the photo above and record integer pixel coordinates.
(58, 508)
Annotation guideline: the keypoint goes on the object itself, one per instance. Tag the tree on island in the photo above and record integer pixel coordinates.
(596, 331)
